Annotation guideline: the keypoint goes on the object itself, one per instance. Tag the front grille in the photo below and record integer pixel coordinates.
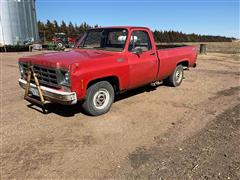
(46, 76)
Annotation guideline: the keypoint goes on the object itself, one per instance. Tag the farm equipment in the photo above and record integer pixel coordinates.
(62, 41)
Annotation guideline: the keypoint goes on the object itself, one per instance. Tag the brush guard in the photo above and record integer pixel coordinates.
(31, 75)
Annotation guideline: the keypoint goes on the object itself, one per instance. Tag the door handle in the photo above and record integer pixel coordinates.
(152, 54)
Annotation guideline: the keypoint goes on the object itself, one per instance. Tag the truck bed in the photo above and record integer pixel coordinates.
(170, 55)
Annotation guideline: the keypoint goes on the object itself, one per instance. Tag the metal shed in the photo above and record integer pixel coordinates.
(18, 22)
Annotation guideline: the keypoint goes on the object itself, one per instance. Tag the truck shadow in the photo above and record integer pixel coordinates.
(135, 92)
(70, 111)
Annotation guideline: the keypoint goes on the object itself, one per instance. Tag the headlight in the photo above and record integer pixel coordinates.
(65, 78)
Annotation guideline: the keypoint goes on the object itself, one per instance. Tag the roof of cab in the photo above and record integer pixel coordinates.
(122, 27)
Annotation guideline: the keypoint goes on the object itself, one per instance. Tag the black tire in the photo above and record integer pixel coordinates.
(175, 79)
(94, 104)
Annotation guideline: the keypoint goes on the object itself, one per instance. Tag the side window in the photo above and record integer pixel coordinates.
(139, 39)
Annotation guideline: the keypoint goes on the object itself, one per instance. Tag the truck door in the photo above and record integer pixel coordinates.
(143, 62)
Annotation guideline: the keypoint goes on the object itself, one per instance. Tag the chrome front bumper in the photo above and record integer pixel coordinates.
(53, 95)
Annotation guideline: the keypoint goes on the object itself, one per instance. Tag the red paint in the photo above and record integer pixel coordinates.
(132, 71)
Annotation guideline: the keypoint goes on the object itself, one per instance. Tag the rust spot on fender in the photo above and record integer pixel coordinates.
(82, 83)
(120, 59)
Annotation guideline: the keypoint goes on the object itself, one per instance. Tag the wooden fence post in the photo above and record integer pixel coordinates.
(203, 49)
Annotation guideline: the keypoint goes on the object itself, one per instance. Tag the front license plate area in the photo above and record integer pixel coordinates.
(34, 92)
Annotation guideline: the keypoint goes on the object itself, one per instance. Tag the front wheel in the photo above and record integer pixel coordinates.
(99, 98)
(175, 79)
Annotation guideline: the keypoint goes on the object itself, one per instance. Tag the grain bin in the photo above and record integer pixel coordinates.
(18, 22)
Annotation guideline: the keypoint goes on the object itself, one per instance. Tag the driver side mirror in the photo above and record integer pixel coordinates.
(137, 51)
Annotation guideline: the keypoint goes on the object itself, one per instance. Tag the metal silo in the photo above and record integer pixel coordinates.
(18, 21)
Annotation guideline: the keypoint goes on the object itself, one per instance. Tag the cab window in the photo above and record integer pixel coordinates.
(139, 39)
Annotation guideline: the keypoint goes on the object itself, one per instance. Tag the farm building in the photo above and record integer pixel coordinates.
(18, 23)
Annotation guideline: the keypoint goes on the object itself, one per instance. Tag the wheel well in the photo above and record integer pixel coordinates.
(113, 80)
(184, 63)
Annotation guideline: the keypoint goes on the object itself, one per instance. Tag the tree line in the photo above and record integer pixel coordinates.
(47, 30)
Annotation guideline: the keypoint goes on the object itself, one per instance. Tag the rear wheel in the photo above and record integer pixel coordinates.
(71, 45)
(99, 98)
(175, 79)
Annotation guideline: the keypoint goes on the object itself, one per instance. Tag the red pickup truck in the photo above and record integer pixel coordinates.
(105, 62)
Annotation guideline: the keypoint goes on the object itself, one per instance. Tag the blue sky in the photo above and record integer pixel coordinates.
(215, 17)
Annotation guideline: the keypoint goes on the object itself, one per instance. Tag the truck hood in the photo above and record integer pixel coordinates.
(66, 58)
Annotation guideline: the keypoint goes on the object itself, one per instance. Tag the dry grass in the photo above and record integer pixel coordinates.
(223, 47)
(220, 47)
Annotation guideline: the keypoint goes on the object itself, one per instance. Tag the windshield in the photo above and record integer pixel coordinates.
(105, 39)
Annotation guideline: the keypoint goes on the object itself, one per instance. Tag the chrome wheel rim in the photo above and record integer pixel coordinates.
(60, 45)
(101, 98)
(178, 76)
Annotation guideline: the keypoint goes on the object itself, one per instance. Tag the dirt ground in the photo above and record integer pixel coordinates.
(189, 132)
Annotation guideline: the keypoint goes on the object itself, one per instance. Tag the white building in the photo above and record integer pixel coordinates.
(18, 21)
